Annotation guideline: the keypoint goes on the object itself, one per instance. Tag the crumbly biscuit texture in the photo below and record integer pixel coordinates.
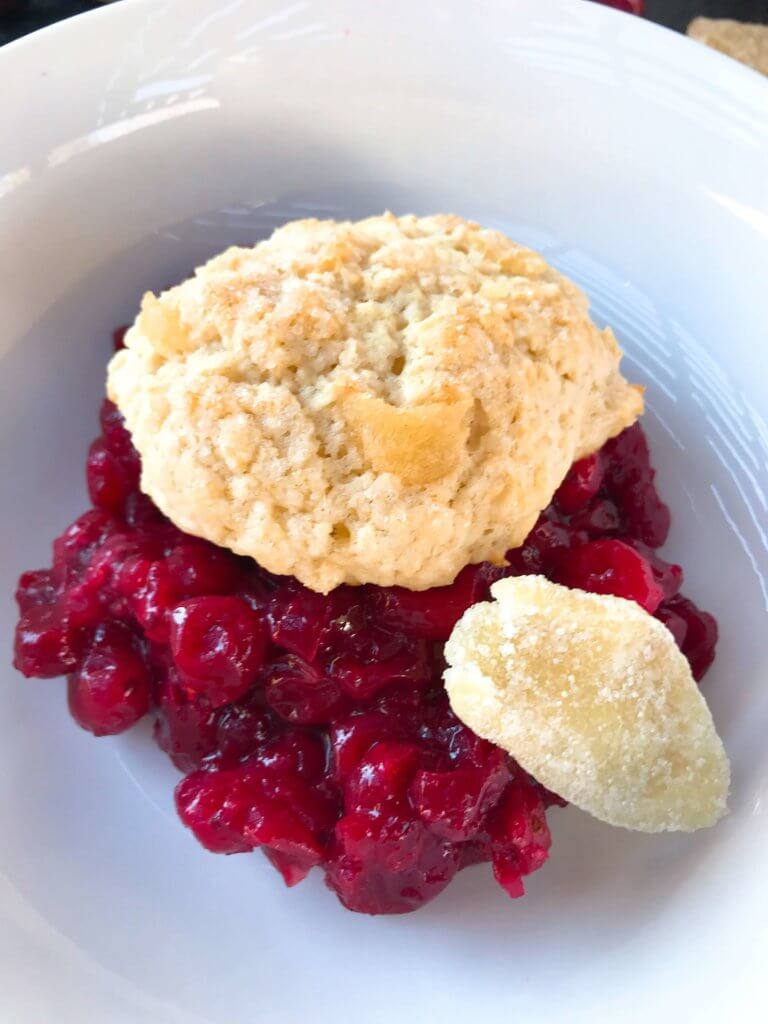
(592, 696)
(743, 41)
(381, 402)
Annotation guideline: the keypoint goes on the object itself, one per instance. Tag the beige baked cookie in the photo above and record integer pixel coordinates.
(740, 40)
(592, 696)
(383, 401)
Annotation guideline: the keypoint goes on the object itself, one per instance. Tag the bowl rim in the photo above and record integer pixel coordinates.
(110, 11)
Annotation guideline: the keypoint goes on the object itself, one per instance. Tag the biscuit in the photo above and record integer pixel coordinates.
(380, 402)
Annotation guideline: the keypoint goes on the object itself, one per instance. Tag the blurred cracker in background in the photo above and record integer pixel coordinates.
(740, 40)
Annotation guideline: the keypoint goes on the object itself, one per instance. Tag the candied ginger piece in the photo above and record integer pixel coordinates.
(593, 698)
(419, 445)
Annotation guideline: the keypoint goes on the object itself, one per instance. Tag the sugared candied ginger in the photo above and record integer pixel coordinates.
(592, 696)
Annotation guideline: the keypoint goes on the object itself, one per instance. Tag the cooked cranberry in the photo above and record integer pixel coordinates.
(676, 624)
(110, 691)
(430, 614)
(294, 752)
(647, 516)
(364, 680)
(611, 567)
(546, 542)
(389, 865)
(149, 589)
(520, 838)
(292, 847)
(694, 630)
(266, 802)
(455, 803)
(298, 618)
(242, 728)
(216, 805)
(352, 629)
(95, 595)
(117, 571)
(353, 736)
(412, 707)
(438, 724)
(299, 693)
(113, 430)
(187, 727)
(379, 783)
(197, 569)
(293, 868)
(45, 646)
(629, 479)
(111, 478)
(583, 481)
(74, 548)
(600, 518)
(140, 511)
(668, 575)
(218, 646)
(84, 603)
(35, 587)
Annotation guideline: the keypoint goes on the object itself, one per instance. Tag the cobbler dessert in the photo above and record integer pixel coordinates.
(374, 543)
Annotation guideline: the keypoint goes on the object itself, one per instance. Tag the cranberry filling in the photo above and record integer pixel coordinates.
(317, 728)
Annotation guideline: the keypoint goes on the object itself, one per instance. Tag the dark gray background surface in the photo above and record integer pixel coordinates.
(678, 13)
(28, 15)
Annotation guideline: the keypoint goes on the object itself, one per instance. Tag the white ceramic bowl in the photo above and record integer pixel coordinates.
(138, 140)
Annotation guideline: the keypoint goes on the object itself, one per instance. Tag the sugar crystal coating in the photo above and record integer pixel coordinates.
(591, 696)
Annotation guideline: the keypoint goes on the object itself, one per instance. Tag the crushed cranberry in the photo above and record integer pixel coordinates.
(45, 646)
(430, 614)
(111, 477)
(218, 645)
(694, 630)
(610, 567)
(630, 483)
(317, 728)
(110, 690)
(300, 693)
(581, 485)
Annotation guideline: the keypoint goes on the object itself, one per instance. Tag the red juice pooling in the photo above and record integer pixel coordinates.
(317, 727)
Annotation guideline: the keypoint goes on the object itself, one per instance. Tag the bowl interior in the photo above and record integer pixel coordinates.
(637, 164)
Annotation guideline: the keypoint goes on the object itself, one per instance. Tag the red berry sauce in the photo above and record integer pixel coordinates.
(317, 728)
